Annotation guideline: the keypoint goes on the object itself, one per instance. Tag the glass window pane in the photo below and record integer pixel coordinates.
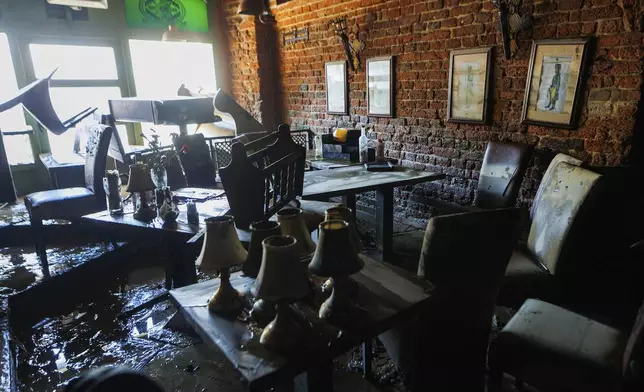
(74, 62)
(160, 68)
(68, 101)
(18, 148)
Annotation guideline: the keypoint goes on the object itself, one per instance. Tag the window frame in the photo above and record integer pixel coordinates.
(121, 82)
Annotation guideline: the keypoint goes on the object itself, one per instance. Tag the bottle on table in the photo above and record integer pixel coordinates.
(380, 151)
(363, 144)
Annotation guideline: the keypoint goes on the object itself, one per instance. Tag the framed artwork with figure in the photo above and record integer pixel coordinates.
(554, 87)
(469, 86)
(380, 87)
(336, 87)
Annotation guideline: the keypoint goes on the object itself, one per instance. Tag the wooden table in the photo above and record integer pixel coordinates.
(347, 181)
(180, 268)
(386, 296)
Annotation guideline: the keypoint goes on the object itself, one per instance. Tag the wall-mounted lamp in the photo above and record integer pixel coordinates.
(512, 23)
(341, 30)
(256, 8)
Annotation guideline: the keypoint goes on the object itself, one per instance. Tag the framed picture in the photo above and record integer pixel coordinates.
(380, 87)
(554, 85)
(469, 85)
(336, 87)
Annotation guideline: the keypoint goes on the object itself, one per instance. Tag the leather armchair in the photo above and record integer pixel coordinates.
(70, 203)
(561, 214)
(504, 166)
(464, 257)
(503, 169)
(554, 349)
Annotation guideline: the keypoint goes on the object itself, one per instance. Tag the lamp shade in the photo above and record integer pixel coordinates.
(345, 214)
(292, 223)
(252, 7)
(221, 246)
(140, 180)
(281, 276)
(335, 254)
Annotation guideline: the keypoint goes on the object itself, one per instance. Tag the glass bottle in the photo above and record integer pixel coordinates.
(380, 151)
(318, 145)
(363, 144)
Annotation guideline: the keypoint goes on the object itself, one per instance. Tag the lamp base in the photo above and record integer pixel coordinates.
(339, 299)
(263, 312)
(226, 298)
(145, 213)
(283, 332)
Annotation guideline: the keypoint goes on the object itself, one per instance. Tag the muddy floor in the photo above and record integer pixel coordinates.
(113, 328)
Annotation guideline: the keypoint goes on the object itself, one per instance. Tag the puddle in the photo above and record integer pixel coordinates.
(58, 349)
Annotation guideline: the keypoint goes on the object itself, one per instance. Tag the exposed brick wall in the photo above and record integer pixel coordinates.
(421, 34)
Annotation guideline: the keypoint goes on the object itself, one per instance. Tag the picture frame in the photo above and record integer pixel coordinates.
(555, 82)
(468, 94)
(337, 97)
(380, 86)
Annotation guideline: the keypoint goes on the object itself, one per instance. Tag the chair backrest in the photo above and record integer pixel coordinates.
(464, 256)
(260, 183)
(548, 175)
(196, 161)
(504, 166)
(98, 142)
(561, 212)
(633, 360)
(470, 249)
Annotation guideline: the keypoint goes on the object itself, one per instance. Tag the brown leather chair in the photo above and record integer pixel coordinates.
(503, 169)
(464, 257)
(561, 215)
(554, 349)
(69, 203)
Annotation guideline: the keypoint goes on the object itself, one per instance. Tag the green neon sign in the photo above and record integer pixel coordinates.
(187, 15)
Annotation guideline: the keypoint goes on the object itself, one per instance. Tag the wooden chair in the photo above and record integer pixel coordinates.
(562, 215)
(70, 203)
(261, 183)
(445, 348)
(554, 349)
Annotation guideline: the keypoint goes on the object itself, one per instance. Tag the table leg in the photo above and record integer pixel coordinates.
(319, 379)
(350, 202)
(180, 266)
(367, 358)
(385, 222)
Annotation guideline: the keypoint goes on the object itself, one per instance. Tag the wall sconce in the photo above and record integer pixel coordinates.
(341, 29)
(256, 8)
(512, 23)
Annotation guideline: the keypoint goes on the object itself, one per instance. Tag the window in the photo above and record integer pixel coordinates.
(87, 76)
(160, 68)
(18, 147)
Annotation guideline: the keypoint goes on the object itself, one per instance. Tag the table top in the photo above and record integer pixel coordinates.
(356, 179)
(127, 225)
(54, 162)
(386, 295)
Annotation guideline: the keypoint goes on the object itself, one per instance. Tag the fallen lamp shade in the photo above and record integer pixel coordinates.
(141, 182)
(221, 250)
(283, 281)
(335, 257)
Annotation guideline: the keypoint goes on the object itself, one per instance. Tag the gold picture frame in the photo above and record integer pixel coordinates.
(553, 92)
(468, 94)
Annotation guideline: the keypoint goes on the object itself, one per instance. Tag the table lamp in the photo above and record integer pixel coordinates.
(345, 214)
(221, 250)
(282, 280)
(335, 257)
(140, 181)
